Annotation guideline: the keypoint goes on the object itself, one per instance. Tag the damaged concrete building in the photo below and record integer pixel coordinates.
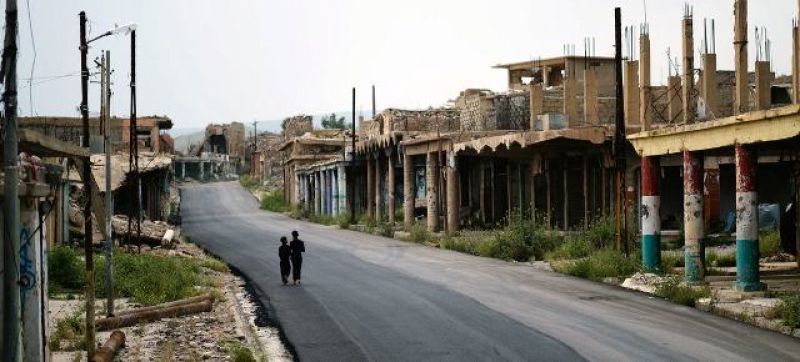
(220, 155)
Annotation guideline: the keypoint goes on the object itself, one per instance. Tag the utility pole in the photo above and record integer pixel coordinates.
(255, 148)
(373, 101)
(351, 182)
(134, 152)
(12, 312)
(109, 246)
(87, 210)
(620, 237)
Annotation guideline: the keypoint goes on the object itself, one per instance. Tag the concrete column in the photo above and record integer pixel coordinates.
(482, 190)
(183, 170)
(747, 276)
(537, 103)
(335, 192)
(341, 174)
(432, 192)
(307, 191)
(453, 204)
(317, 193)
(711, 190)
(651, 215)
(742, 93)
(763, 81)
(590, 103)
(645, 95)
(694, 249)
(570, 98)
(325, 191)
(710, 93)
(378, 187)
(565, 190)
(390, 186)
(631, 93)
(674, 90)
(202, 170)
(370, 187)
(408, 192)
(587, 218)
(796, 66)
(689, 102)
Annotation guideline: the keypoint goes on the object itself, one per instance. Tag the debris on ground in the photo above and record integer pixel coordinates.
(643, 282)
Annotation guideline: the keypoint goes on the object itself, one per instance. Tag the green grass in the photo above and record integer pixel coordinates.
(343, 220)
(248, 182)
(788, 309)
(68, 333)
(386, 229)
(769, 244)
(720, 260)
(146, 279)
(470, 242)
(240, 353)
(369, 223)
(274, 201)
(673, 290)
(601, 264)
(419, 233)
(670, 261)
(573, 247)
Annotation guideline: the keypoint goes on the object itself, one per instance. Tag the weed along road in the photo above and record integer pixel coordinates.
(366, 297)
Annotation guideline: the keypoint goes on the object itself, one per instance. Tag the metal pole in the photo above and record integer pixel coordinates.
(12, 329)
(87, 211)
(135, 143)
(620, 239)
(109, 247)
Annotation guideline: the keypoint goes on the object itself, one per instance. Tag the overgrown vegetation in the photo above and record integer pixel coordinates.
(601, 264)
(343, 220)
(368, 222)
(419, 233)
(769, 243)
(673, 290)
(248, 182)
(68, 333)
(274, 201)
(240, 353)
(146, 279)
(788, 310)
(386, 229)
(720, 260)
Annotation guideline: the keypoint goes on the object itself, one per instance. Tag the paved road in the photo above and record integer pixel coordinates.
(370, 298)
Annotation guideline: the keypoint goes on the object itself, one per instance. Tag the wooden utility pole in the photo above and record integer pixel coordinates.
(351, 181)
(109, 244)
(87, 207)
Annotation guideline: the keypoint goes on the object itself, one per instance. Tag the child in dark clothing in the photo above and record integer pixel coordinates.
(284, 253)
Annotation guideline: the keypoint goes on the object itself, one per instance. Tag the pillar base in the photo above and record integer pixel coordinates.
(747, 273)
(749, 287)
(651, 253)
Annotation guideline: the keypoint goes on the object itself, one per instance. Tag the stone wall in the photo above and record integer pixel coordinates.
(296, 126)
(512, 111)
(234, 137)
(474, 107)
(482, 110)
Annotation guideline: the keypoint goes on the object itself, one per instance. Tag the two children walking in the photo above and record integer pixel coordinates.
(291, 252)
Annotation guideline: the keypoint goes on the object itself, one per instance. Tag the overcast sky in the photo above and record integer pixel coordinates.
(202, 61)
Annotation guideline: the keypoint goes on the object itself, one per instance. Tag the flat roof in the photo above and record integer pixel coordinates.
(549, 61)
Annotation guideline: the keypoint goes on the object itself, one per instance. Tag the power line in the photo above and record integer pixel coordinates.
(33, 63)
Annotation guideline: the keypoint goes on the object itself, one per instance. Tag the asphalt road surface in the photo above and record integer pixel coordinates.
(366, 297)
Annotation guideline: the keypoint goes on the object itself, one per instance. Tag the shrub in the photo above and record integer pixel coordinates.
(248, 182)
(386, 229)
(369, 223)
(65, 270)
(603, 263)
(343, 220)
(670, 261)
(573, 247)
(68, 333)
(274, 201)
(522, 239)
(600, 232)
(788, 309)
(769, 243)
(151, 279)
(419, 233)
(399, 215)
(240, 353)
(673, 290)
(720, 260)
(470, 242)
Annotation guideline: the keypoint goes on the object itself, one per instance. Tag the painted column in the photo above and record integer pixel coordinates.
(342, 176)
(390, 186)
(408, 192)
(370, 187)
(711, 191)
(694, 249)
(747, 278)
(317, 193)
(651, 216)
(378, 188)
(431, 186)
(335, 192)
(452, 180)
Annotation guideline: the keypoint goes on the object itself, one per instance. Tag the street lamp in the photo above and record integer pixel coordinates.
(87, 172)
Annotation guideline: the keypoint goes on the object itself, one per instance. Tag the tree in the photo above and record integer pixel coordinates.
(283, 124)
(331, 122)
